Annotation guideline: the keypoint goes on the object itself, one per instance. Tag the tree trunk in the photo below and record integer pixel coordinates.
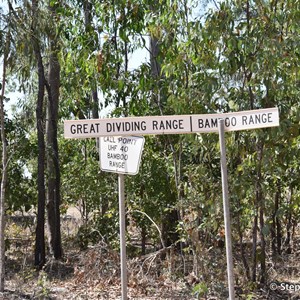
(144, 237)
(169, 227)
(242, 249)
(277, 221)
(154, 53)
(288, 225)
(263, 270)
(260, 202)
(156, 72)
(40, 256)
(276, 227)
(95, 108)
(258, 214)
(4, 167)
(254, 246)
(53, 192)
(172, 217)
(40, 227)
(88, 17)
(273, 233)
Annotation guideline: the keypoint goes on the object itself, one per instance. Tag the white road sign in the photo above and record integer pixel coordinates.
(120, 154)
(241, 120)
(251, 119)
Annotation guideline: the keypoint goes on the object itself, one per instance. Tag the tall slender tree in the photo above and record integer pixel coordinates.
(53, 167)
(40, 255)
(4, 162)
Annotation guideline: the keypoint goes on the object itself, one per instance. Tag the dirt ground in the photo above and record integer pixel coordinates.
(94, 273)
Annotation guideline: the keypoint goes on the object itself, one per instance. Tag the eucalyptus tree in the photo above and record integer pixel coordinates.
(5, 52)
(99, 39)
(16, 194)
(218, 63)
(52, 84)
(33, 37)
(53, 165)
(224, 64)
(242, 37)
(40, 255)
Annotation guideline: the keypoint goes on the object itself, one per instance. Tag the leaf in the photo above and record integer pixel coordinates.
(266, 230)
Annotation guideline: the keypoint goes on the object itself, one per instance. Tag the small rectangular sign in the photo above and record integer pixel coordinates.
(121, 154)
(179, 124)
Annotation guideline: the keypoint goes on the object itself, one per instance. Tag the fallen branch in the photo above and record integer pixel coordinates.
(159, 231)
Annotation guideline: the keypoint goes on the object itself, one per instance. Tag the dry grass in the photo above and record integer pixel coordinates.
(95, 272)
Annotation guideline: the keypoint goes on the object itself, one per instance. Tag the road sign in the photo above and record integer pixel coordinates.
(179, 124)
(241, 120)
(121, 154)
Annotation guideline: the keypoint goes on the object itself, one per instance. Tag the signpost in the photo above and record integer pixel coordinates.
(122, 236)
(121, 153)
(229, 258)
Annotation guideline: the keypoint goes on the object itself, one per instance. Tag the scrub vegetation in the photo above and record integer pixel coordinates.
(80, 59)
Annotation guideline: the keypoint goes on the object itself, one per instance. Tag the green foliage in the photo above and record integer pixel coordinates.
(200, 290)
(234, 57)
(43, 285)
(21, 192)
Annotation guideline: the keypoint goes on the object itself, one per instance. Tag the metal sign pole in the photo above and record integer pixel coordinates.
(226, 210)
(122, 236)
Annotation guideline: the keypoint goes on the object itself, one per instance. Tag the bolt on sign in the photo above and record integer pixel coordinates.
(121, 154)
